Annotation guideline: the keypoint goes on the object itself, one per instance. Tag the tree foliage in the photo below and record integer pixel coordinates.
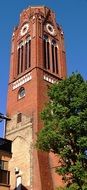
(65, 129)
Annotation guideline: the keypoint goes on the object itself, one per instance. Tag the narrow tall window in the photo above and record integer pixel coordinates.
(53, 61)
(20, 58)
(48, 55)
(56, 59)
(26, 56)
(18, 69)
(19, 117)
(46, 52)
(28, 53)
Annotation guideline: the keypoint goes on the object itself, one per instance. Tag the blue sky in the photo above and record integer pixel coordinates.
(70, 14)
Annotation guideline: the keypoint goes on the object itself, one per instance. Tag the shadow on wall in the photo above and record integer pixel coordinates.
(20, 187)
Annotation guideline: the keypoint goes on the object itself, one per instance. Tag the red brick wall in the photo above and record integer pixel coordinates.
(36, 88)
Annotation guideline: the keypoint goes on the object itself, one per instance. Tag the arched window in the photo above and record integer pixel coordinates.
(53, 58)
(28, 52)
(18, 68)
(20, 58)
(46, 52)
(18, 182)
(21, 93)
(54, 50)
(53, 42)
(56, 59)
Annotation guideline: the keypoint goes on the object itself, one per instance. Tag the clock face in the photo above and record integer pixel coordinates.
(50, 29)
(24, 29)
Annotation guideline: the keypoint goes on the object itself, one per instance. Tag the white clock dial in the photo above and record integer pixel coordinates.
(50, 29)
(24, 29)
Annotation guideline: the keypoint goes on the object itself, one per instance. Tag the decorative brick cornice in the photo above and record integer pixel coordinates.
(50, 79)
(22, 81)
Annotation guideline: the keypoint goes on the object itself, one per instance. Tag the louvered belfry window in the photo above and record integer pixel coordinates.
(28, 52)
(24, 55)
(54, 50)
(46, 52)
(50, 49)
(20, 58)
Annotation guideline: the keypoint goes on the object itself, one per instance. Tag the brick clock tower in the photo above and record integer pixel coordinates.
(37, 60)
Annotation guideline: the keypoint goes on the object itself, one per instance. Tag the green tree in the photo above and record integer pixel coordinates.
(65, 129)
